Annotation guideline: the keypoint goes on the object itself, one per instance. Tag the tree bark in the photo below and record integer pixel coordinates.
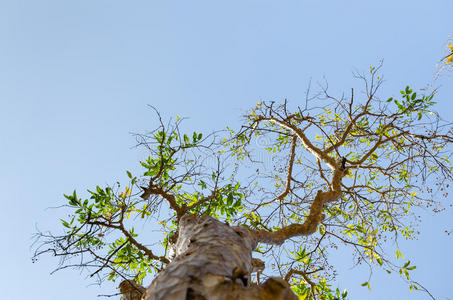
(213, 261)
(131, 290)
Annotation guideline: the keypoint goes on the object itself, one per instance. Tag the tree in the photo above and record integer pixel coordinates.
(334, 172)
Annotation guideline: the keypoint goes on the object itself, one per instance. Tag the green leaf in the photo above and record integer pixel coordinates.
(407, 264)
(230, 199)
(65, 224)
(366, 284)
(406, 273)
(379, 260)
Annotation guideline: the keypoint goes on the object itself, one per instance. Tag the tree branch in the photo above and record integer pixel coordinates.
(311, 222)
(290, 168)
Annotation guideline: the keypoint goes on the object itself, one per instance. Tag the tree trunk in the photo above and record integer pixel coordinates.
(213, 261)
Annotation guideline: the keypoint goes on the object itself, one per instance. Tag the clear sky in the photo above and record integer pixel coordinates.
(76, 78)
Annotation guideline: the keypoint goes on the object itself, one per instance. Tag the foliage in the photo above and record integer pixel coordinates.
(366, 161)
(449, 58)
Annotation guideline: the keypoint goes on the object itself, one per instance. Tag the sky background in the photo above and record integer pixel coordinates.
(76, 78)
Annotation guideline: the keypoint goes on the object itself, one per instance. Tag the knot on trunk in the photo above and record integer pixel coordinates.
(130, 290)
(276, 289)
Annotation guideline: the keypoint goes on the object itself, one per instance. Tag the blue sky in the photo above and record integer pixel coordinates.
(76, 78)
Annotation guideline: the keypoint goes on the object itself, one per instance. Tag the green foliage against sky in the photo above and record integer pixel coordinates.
(374, 153)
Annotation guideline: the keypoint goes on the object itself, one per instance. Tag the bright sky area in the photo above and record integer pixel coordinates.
(76, 78)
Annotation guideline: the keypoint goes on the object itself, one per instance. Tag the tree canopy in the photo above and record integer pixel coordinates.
(334, 171)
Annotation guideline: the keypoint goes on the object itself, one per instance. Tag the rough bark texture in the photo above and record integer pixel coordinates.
(130, 290)
(213, 261)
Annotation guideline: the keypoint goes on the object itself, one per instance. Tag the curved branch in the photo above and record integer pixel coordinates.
(290, 168)
(313, 219)
(318, 153)
(154, 190)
